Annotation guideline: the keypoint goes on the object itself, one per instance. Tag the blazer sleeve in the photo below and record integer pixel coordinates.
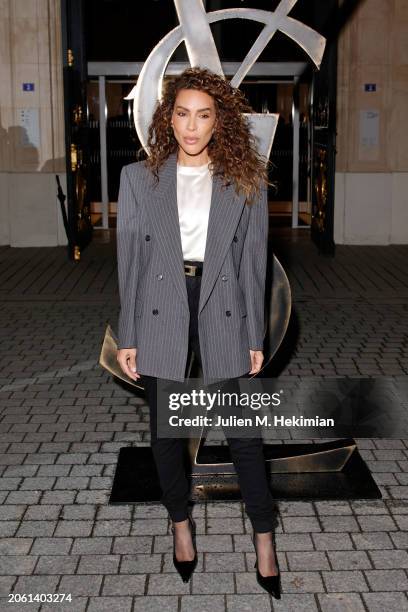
(253, 268)
(128, 247)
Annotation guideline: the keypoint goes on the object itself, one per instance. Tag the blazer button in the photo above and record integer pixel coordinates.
(235, 238)
(155, 311)
(224, 277)
(159, 276)
(147, 237)
(228, 313)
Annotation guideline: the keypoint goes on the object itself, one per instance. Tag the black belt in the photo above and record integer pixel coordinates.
(193, 269)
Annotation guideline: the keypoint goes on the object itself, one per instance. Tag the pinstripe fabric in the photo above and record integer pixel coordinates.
(154, 314)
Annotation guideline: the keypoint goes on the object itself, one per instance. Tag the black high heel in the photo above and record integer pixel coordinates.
(186, 568)
(271, 584)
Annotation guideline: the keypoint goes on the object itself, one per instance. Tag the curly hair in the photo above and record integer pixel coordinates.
(232, 148)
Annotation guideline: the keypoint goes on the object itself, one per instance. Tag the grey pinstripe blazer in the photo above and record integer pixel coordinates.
(154, 314)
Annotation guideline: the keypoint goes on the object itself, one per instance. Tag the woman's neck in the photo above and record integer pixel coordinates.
(192, 160)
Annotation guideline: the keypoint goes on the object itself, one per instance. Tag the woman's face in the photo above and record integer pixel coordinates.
(193, 120)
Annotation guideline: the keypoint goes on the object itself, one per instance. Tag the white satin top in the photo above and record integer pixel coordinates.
(194, 189)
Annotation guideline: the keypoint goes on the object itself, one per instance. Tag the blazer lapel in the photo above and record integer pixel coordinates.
(164, 215)
(225, 213)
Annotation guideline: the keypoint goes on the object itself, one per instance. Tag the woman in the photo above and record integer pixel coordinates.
(192, 245)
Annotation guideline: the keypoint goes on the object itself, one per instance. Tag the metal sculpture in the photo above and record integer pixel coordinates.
(194, 30)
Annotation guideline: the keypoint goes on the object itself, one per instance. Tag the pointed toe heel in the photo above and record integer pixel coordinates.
(186, 568)
(271, 584)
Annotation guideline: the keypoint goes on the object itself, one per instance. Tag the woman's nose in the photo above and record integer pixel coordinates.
(192, 125)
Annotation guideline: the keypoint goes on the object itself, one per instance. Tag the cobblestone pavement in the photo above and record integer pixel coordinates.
(63, 421)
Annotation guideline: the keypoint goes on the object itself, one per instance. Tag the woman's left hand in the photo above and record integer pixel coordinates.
(257, 358)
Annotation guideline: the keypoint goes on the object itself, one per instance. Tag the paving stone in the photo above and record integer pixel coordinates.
(350, 559)
(387, 580)
(78, 604)
(245, 603)
(42, 512)
(213, 582)
(202, 603)
(333, 508)
(246, 583)
(165, 584)
(296, 524)
(389, 559)
(372, 541)
(17, 564)
(73, 528)
(224, 509)
(224, 526)
(141, 564)
(78, 512)
(156, 603)
(295, 542)
(110, 604)
(291, 602)
(210, 543)
(300, 561)
(36, 584)
(339, 523)
(402, 522)
(301, 582)
(112, 528)
(98, 564)
(345, 581)
(377, 523)
(124, 585)
(54, 564)
(392, 602)
(218, 562)
(400, 539)
(369, 507)
(332, 541)
(131, 545)
(36, 528)
(80, 585)
(296, 508)
(147, 527)
(6, 585)
(51, 546)
(341, 602)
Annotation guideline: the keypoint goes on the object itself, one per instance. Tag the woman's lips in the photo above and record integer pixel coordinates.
(190, 140)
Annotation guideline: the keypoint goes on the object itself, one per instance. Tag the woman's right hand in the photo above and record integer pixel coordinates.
(126, 358)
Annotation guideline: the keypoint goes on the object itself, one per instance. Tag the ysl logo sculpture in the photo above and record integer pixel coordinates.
(194, 30)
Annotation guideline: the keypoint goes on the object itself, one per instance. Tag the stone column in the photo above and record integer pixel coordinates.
(372, 142)
(32, 141)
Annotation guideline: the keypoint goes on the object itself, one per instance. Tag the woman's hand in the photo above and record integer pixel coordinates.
(257, 358)
(126, 358)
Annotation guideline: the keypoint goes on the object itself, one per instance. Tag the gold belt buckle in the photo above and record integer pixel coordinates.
(191, 269)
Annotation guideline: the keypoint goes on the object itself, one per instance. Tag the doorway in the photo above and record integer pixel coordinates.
(270, 87)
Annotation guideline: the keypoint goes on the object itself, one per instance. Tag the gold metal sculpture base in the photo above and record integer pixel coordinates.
(284, 459)
(136, 479)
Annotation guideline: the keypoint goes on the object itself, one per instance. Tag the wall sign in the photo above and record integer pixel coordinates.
(29, 122)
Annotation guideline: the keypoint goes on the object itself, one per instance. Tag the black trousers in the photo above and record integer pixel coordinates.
(170, 454)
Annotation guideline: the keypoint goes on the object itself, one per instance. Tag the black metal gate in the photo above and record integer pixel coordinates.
(79, 226)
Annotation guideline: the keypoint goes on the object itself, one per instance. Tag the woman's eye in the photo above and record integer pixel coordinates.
(205, 116)
(181, 114)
